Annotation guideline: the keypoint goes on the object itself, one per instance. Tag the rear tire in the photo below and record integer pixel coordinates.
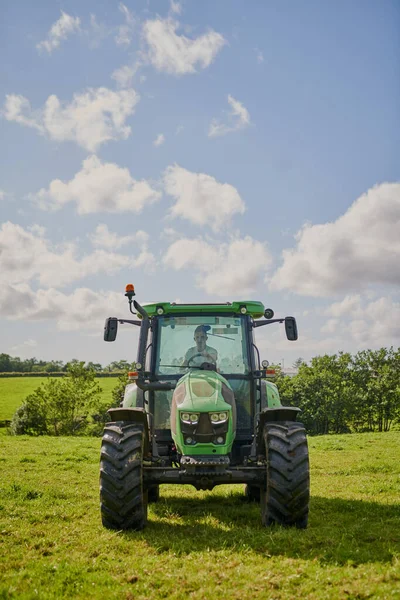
(123, 500)
(286, 493)
(153, 493)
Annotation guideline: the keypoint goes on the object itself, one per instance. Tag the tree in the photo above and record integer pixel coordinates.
(71, 405)
(54, 366)
(5, 363)
(298, 362)
(119, 365)
(322, 391)
(342, 393)
(377, 388)
(95, 366)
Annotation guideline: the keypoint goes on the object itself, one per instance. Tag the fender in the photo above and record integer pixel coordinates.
(136, 415)
(275, 414)
(278, 413)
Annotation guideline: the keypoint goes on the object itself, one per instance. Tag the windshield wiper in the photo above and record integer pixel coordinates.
(221, 336)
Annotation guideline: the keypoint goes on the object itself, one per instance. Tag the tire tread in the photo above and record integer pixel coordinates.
(123, 500)
(285, 496)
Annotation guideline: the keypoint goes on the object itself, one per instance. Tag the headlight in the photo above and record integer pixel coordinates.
(219, 417)
(191, 418)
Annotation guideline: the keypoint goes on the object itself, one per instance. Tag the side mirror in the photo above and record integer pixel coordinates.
(110, 329)
(291, 329)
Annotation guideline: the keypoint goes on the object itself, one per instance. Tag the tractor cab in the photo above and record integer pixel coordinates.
(199, 396)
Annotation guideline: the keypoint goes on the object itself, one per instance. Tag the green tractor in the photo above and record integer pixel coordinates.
(200, 410)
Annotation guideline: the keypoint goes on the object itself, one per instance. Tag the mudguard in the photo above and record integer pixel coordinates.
(278, 413)
(274, 415)
(135, 415)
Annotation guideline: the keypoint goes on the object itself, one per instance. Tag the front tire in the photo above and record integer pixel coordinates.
(286, 493)
(123, 500)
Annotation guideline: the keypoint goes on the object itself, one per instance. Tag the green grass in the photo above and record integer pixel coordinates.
(199, 544)
(14, 390)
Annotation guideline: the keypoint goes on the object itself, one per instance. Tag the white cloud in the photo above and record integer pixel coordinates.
(17, 108)
(2, 194)
(238, 118)
(355, 323)
(97, 32)
(178, 54)
(38, 230)
(160, 139)
(350, 305)
(200, 198)
(171, 234)
(25, 345)
(330, 326)
(260, 57)
(26, 256)
(239, 111)
(104, 238)
(175, 7)
(371, 324)
(124, 33)
(272, 341)
(361, 248)
(225, 269)
(124, 76)
(60, 30)
(91, 119)
(82, 309)
(98, 187)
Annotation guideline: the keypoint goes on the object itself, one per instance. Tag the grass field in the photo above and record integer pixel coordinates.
(199, 544)
(14, 390)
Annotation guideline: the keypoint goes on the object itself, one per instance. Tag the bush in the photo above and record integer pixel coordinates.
(66, 406)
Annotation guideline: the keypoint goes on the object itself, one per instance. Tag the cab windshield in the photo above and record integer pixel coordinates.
(188, 342)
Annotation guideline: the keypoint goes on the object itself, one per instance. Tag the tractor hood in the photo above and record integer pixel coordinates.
(204, 391)
(202, 394)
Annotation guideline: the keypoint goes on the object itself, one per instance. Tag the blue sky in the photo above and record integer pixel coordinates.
(203, 151)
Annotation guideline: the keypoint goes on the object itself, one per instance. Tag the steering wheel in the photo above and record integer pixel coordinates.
(206, 365)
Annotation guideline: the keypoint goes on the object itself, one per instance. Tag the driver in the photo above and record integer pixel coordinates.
(201, 351)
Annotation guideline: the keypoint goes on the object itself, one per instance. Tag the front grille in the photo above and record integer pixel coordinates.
(204, 432)
(204, 426)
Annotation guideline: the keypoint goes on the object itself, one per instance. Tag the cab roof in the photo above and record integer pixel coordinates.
(253, 308)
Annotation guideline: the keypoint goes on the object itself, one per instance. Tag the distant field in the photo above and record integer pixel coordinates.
(199, 545)
(14, 390)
